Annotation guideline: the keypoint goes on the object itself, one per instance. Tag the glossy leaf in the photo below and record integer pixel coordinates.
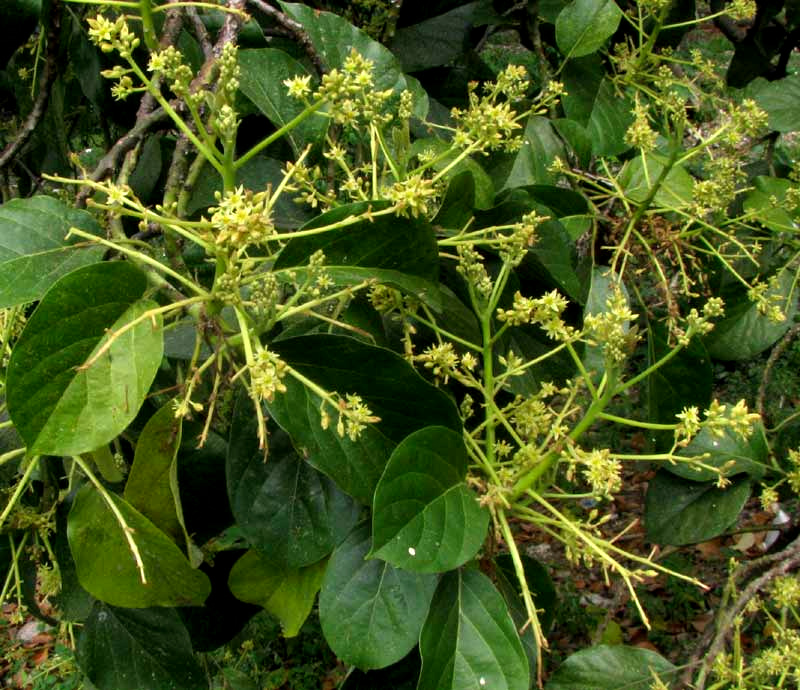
(398, 251)
(283, 506)
(761, 202)
(744, 332)
(152, 486)
(334, 37)
(542, 592)
(435, 41)
(34, 251)
(288, 594)
(469, 639)
(611, 667)
(679, 511)
(584, 26)
(728, 451)
(781, 100)
(675, 191)
(371, 612)
(685, 380)
(263, 72)
(106, 565)
(391, 388)
(531, 165)
(131, 649)
(424, 517)
(64, 396)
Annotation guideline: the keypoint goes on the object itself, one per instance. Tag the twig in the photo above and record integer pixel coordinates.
(296, 30)
(49, 74)
(200, 32)
(707, 652)
(777, 351)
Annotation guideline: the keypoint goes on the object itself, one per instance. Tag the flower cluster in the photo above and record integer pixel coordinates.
(486, 125)
(441, 359)
(351, 93)
(267, 371)
(523, 235)
(697, 323)
(412, 195)
(545, 311)
(640, 134)
(738, 419)
(112, 35)
(471, 266)
(611, 328)
(768, 297)
(354, 415)
(242, 218)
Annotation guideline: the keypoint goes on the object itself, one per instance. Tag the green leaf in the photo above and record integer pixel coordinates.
(542, 592)
(675, 191)
(152, 486)
(601, 289)
(730, 451)
(263, 72)
(334, 37)
(371, 612)
(469, 639)
(424, 516)
(781, 100)
(606, 667)
(435, 41)
(531, 165)
(283, 506)
(679, 511)
(288, 594)
(64, 396)
(34, 251)
(583, 26)
(744, 332)
(391, 388)
(131, 649)
(685, 380)
(401, 252)
(767, 202)
(107, 568)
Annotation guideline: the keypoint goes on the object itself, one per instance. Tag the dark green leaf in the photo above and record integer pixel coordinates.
(729, 451)
(542, 592)
(744, 332)
(391, 388)
(64, 396)
(107, 567)
(679, 511)
(287, 594)
(437, 40)
(371, 612)
(132, 649)
(398, 251)
(582, 79)
(283, 506)
(34, 251)
(685, 380)
(334, 37)
(469, 639)
(675, 191)
(767, 202)
(583, 26)
(781, 100)
(614, 667)
(152, 486)
(263, 72)
(531, 166)
(424, 516)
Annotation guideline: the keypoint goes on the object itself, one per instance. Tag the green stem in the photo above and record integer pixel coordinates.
(148, 28)
(19, 489)
(528, 480)
(277, 134)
